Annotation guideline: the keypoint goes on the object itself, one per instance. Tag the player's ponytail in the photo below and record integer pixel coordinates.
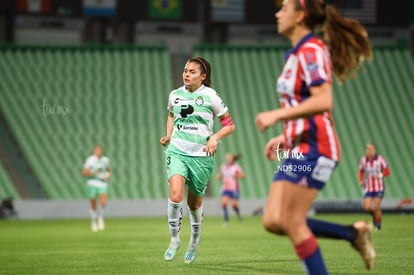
(205, 68)
(346, 38)
(236, 157)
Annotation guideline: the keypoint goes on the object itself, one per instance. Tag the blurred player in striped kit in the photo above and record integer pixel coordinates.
(96, 169)
(230, 174)
(323, 43)
(372, 170)
(191, 146)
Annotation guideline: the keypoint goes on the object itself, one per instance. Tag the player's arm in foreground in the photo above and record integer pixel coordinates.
(320, 101)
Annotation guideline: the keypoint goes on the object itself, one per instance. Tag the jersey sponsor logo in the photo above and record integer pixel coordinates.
(186, 110)
(312, 67)
(199, 101)
(181, 127)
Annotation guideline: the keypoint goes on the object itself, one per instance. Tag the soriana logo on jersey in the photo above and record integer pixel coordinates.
(181, 127)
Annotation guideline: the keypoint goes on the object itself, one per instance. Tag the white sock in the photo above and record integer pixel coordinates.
(101, 212)
(93, 215)
(196, 220)
(175, 216)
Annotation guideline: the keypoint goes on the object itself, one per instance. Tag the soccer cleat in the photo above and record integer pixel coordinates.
(101, 224)
(94, 227)
(377, 226)
(169, 254)
(364, 244)
(190, 254)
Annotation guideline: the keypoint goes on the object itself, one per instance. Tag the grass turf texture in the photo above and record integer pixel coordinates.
(136, 246)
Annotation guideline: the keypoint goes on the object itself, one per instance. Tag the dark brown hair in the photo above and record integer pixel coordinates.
(205, 68)
(346, 38)
(236, 157)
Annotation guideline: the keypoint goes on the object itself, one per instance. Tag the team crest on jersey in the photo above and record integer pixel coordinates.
(199, 101)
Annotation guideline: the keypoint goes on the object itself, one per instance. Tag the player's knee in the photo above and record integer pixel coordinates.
(367, 208)
(376, 208)
(274, 224)
(176, 196)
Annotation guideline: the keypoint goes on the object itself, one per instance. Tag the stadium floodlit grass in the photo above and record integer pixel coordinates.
(136, 246)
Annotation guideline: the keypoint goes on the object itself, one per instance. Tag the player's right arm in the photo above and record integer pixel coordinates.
(220, 174)
(88, 173)
(170, 122)
(361, 172)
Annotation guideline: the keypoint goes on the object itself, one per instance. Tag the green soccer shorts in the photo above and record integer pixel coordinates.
(195, 170)
(94, 192)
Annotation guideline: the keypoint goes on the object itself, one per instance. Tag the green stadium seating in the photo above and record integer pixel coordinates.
(117, 96)
(375, 107)
(7, 188)
(113, 96)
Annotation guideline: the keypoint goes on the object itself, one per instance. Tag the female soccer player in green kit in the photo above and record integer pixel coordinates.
(191, 146)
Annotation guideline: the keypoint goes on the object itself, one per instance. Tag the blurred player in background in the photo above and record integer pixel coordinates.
(191, 145)
(230, 174)
(372, 170)
(96, 169)
(323, 42)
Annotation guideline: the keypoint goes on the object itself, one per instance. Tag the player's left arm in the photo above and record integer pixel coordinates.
(385, 169)
(319, 101)
(239, 173)
(227, 129)
(107, 174)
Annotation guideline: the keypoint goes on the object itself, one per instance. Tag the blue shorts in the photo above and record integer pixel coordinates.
(379, 194)
(308, 171)
(231, 194)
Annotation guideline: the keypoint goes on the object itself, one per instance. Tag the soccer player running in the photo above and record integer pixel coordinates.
(96, 169)
(372, 170)
(230, 174)
(191, 146)
(322, 42)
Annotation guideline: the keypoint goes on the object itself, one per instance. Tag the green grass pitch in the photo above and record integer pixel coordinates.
(136, 246)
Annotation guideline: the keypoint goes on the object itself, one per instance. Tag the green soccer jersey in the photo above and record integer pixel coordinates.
(194, 114)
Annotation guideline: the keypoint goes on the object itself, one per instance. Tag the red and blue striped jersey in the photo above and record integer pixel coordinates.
(307, 65)
(229, 173)
(372, 173)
